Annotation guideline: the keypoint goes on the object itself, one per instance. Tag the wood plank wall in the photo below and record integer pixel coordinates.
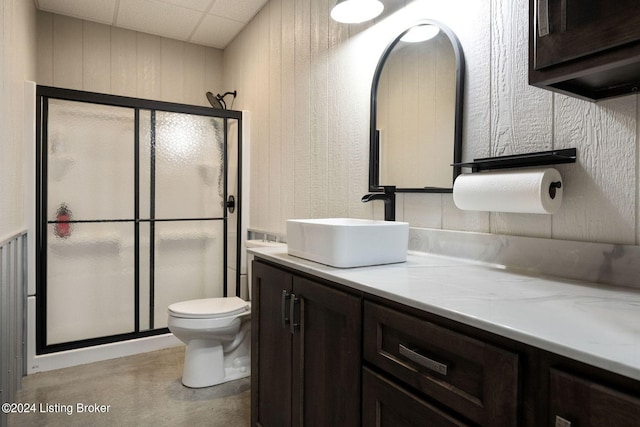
(93, 57)
(307, 81)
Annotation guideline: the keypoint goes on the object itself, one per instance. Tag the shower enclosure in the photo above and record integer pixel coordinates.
(135, 211)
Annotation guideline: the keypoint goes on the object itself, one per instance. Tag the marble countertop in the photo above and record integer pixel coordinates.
(595, 324)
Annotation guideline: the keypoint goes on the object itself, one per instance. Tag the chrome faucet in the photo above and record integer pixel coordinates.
(389, 197)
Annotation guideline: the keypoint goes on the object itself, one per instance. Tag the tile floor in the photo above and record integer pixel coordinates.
(140, 390)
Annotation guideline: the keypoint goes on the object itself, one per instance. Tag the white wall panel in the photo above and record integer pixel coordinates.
(521, 115)
(194, 74)
(318, 75)
(44, 43)
(96, 57)
(67, 45)
(287, 147)
(338, 94)
(124, 79)
(17, 64)
(148, 66)
(318, 109)
(88, 56)
(599, 203)
(275, 176)
(258, 69)
(172, 70)
(302, 76)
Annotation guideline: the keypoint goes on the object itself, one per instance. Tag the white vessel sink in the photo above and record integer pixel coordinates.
(347, 242)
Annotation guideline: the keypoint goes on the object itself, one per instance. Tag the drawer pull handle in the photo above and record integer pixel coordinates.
(561, 422)
(421, 360)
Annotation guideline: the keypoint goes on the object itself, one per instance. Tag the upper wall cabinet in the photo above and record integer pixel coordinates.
(589, 49)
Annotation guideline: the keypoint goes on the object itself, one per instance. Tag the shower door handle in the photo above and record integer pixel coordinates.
(231, 203)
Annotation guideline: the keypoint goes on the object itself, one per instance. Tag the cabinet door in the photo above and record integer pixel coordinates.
(384, 404)
(326, 356)
(270, 348)
(579, 402)
(571, 29)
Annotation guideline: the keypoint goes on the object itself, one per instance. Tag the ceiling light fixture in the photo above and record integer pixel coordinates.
(356, 11)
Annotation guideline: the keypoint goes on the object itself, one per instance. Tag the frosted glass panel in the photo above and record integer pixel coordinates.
(144, 275)
(90, 281)
(188, 166)
(90, 161)
(145, 164)
(188, 263)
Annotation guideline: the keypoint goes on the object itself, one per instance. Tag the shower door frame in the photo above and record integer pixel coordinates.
(43, 94)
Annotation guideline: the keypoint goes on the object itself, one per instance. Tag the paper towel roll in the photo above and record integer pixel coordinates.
(522, 191)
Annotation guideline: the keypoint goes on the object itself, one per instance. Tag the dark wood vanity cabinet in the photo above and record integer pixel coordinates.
(585, 48)
(306, 357)
(326, 355)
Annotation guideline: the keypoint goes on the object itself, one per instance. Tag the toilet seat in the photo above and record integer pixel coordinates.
(209, 308)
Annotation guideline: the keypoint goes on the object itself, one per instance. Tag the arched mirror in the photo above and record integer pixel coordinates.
(416, 111)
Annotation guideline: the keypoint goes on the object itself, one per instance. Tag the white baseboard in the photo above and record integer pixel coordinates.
(65, 359)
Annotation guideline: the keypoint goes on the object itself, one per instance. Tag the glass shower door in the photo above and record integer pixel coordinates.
(90, 221)
(133, 216)
(182, 193)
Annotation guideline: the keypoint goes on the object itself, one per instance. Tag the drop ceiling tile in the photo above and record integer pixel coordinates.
(216, 32)
(92, 10)
(201, 5)
(158, 17)
(239, 10)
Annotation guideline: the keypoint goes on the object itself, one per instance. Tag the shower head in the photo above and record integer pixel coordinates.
(214, 101)
(217, 101)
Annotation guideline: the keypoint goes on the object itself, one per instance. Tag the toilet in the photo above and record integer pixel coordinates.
(218, 338)
(217, 332)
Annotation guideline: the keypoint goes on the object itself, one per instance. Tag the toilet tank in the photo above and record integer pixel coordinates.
(256, 244)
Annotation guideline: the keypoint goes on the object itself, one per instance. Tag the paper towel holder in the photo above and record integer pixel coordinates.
(553, 187)
(541, 158)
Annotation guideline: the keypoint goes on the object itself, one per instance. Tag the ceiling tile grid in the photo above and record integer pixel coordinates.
(211, 23)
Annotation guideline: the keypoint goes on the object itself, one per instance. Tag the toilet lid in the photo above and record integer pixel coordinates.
(209, 308)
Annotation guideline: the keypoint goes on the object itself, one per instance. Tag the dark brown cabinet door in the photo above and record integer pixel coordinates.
(327, 356)
(588, 48)
(576, 401)
(306, 352)
(387, 405)
(570, 29)
(270, 348)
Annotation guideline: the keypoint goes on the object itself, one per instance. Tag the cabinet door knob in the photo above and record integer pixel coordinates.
(421, 360)
(284, 308)
(561, 422)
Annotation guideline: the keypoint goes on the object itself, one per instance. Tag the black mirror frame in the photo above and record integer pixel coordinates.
(374, 152)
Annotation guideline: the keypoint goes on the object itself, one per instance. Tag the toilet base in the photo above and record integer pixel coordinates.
(231, 374)
(206, 365)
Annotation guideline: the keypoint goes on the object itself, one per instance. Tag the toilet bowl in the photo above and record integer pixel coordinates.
(218, 338)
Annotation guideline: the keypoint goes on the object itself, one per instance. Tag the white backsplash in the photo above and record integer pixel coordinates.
(609, 264)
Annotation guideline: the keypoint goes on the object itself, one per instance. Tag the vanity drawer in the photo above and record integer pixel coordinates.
(384, 404)
(578, 402)
(474, 378)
